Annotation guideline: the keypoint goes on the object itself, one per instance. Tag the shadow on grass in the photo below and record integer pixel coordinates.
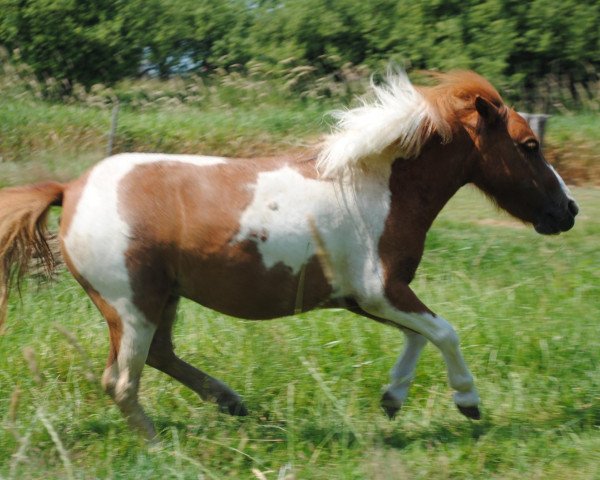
(319, 431)
(512, 429)
(439, 433)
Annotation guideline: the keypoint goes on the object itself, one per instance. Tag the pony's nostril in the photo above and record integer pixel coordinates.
(573, 208)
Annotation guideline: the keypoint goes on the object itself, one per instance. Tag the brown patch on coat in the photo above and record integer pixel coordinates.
(183, 219)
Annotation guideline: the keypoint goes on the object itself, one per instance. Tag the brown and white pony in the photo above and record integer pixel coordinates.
(262, 238)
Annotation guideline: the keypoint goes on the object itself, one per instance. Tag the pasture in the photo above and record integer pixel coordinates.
(526, 308)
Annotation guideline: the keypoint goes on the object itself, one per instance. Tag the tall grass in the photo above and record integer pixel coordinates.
(257, 112)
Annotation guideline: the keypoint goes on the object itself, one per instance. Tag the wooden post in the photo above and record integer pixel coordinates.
(113, 129)
(537, 122)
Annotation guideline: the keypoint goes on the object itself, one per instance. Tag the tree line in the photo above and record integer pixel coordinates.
(519, 45)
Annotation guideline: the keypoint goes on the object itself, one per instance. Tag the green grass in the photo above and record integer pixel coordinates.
(29, 126)
(527, 310)
(576, 127)
(40, 140)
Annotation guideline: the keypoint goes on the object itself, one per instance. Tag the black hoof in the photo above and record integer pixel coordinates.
(470, 412)
(390, 405)
(237, 409)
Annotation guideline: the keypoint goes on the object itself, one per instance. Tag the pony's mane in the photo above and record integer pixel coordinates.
(399, 119)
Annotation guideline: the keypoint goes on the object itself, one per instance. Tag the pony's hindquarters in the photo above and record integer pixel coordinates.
(94, 241)
(129, 275)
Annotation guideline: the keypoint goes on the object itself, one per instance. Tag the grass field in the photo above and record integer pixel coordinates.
(527, 310)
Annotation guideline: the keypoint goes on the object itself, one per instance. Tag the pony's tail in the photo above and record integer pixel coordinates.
(23, 212)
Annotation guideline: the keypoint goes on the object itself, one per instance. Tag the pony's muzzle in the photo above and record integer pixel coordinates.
(554, 220)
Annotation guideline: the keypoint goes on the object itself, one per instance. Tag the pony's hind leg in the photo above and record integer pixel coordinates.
(130, 337)
(162, 357)
(133, 351)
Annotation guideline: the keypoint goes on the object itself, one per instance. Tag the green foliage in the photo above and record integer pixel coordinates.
(75, 41)
(524, 47)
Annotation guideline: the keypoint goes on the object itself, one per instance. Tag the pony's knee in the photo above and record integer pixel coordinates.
(125, 392)
(446, 337)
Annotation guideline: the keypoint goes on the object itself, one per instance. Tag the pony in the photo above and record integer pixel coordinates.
(341, 225)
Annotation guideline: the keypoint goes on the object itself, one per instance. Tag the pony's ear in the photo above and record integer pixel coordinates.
(487, 110)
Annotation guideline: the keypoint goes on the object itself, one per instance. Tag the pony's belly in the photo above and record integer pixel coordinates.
(243, 287)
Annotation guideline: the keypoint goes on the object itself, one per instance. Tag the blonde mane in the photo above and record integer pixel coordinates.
(399, 120)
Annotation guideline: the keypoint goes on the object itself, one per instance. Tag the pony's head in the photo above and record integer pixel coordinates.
(504, 155)
(507, 162)
(509, 166)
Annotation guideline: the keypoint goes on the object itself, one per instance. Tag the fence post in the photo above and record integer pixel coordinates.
(113, 128)
(537, 122)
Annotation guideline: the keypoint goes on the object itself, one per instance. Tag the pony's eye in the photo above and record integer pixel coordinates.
(531, 145)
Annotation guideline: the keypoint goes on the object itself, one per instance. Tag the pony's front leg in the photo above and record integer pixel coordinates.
(402, 373)
(401, 307)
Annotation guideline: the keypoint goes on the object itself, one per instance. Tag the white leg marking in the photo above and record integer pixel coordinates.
(403, 372)
(133, 351)
(442, 335)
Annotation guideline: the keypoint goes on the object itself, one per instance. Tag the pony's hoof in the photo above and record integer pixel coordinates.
(236, 408)
(390, 405)
(470, 412)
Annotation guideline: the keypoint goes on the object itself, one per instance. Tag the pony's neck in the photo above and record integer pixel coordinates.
(420, 188)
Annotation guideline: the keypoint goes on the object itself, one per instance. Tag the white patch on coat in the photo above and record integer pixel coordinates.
(349, 222)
